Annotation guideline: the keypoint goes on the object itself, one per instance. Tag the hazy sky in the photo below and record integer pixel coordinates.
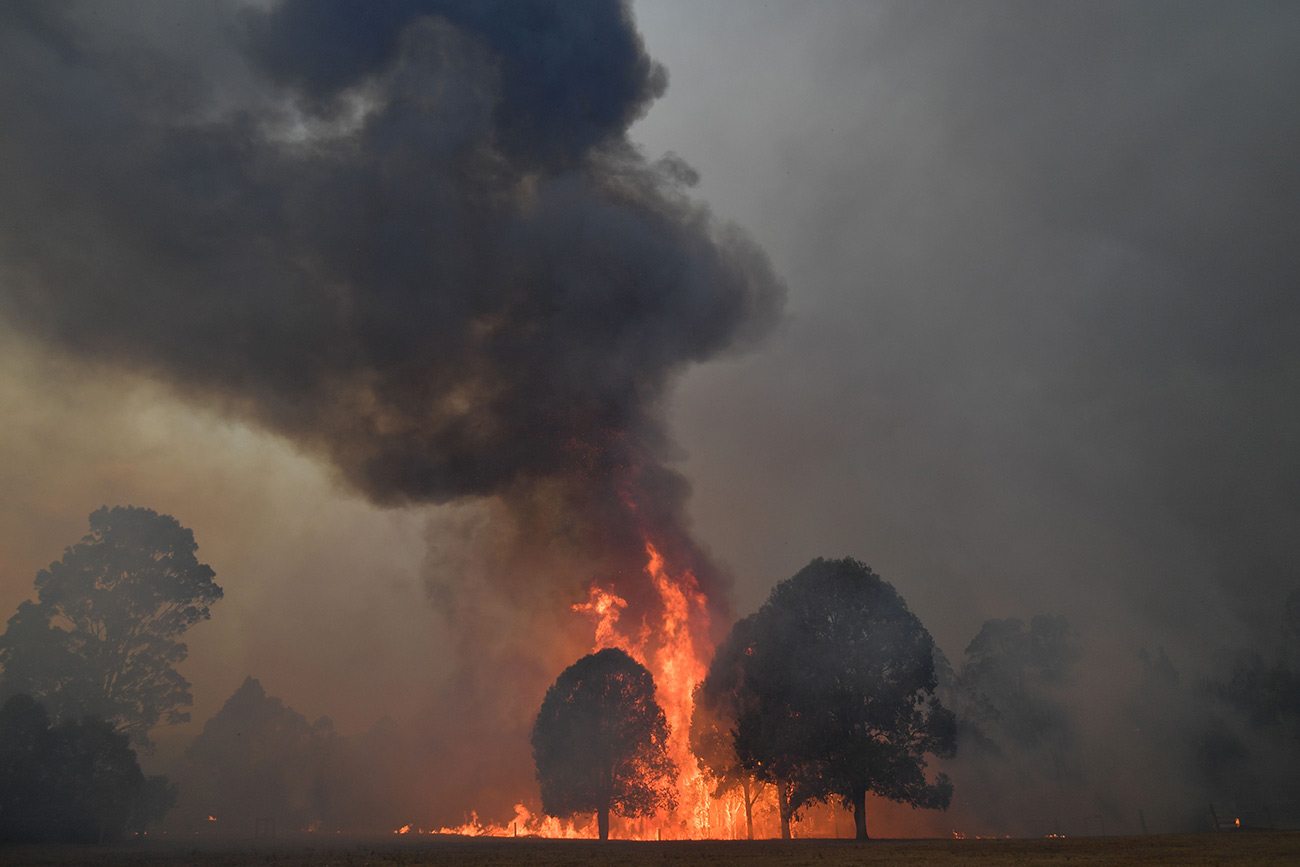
(1039, 350)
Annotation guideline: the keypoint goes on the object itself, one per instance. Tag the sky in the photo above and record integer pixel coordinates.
(1011, 317)
(1040, 344)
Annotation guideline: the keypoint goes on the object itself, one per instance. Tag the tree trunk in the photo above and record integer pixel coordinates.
(602, 821)
(783, 808)
(860, 812)
(749, 807)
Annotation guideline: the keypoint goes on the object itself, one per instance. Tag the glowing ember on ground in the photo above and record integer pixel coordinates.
(405, 829)
(524, 824)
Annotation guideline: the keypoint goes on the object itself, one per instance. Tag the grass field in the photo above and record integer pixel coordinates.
(1264, 848)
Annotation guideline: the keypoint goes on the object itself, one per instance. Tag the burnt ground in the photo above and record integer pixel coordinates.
(1246, 848)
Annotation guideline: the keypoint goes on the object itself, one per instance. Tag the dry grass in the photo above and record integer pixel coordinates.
(1271, 848)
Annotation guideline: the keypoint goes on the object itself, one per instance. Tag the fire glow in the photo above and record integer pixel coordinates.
(672, 649)
(672, 642)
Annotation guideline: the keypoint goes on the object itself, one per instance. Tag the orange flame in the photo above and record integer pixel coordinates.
(672, 642)
(524, 824)
(676, 661)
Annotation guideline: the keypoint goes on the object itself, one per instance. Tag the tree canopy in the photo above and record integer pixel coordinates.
(842, 700)
(103, 636)
(1008, 681)
(600, 742)
(75, 781)
(257, 757)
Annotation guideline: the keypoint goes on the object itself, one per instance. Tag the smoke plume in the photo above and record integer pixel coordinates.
(413, 238)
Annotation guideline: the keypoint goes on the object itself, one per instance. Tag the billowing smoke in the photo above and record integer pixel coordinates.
(413, 239)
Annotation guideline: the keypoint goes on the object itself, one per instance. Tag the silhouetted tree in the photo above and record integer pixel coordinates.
(77, 781)
(843, 678)
(719, 701)
(600, 742)
(1019, 745)
(1264, 683)
(257, 757)
(102, 637)
(1008, 681)
(1254, 746)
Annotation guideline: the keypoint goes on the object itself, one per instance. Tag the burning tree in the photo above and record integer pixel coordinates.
(842, 683)
(600, 742)
(720, 700)
(103, 637)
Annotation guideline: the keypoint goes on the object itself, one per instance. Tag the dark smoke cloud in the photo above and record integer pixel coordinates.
(414, 240)
(570, 76)
(412, 237)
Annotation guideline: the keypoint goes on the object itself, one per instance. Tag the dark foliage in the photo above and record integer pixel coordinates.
(75, 781)
(1265, 685)
(1008, 684)
(600, 742)
(843, 688)
(1266, 691)
(103, 637)
(1021, 742)
(257, 758)
(1250, 748)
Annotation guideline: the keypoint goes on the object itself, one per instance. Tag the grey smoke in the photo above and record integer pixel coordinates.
(413, 238)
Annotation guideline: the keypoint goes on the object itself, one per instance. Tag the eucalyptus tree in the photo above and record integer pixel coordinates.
(103, 636)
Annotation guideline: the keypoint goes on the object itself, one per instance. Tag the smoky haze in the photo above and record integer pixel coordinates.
(1045, 314)
(1041, 354)
(417, 243)
(1040, 357)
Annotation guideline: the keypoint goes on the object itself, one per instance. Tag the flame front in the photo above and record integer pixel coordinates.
(673, 649)
(672, 642)
(671, 639)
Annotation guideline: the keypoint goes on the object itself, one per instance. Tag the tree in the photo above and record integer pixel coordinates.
(843, 681)
(76, 781)
(1008, 682)
(102, 639)
(600, 742)
(1254, 745)
(720, 700)
(257, 757)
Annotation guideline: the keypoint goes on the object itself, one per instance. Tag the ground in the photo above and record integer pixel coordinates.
(1225, 849)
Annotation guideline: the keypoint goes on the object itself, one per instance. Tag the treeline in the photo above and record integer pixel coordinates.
(833, 692)
(258, 760)
(76, 780)
(88, 669)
